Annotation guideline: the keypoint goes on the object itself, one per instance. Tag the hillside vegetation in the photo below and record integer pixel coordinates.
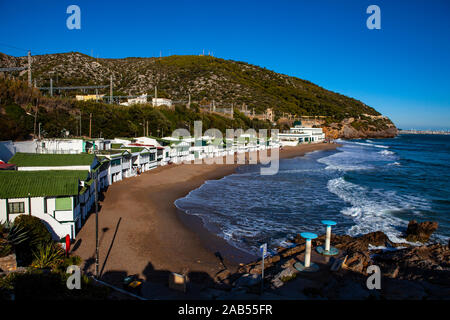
(60, 115)
(205, 78)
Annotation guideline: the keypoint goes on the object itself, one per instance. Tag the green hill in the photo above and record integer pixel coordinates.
(208, 78)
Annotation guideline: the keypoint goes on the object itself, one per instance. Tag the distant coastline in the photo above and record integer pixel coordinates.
(413, 131)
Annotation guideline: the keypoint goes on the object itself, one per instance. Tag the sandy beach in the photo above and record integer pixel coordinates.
(142, 232)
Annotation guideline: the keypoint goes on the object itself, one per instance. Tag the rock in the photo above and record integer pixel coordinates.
(288, 263)
(222, 275)
(356, 266)
(291, 251)
(8, 263)
(420, 232)
(287, 274)
(248, 280)
(277, 283)
(357, 261)
(392, 272)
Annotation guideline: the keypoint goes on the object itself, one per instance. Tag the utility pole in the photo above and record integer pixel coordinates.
(29, 69)
(90, 125)
(39, 131)
(147, 129)
(51, 87)
(111, 90)
(35, 118)
(96, 226)
(80, 123)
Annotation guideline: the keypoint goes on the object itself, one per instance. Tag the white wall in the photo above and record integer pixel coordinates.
(26, 146)
(57, 229)
(88, 168)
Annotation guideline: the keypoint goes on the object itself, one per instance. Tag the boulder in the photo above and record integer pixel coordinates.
(420, 232)
(222, 275)
(248, 281)
(287, 274)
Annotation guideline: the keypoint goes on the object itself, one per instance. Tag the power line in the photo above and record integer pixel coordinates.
(13, 69)
(73, 88)
(13, 47)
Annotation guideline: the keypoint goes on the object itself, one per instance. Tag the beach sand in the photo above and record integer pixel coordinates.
(142, 232)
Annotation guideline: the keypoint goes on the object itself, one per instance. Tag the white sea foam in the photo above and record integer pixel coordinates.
(386, 152)
(372, 210)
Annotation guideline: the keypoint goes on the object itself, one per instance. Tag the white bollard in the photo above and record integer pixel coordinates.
(328, 239)
(308, 253)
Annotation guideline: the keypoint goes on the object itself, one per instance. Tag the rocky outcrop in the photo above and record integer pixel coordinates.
(351, 128)
(420, 232)
(407, 271)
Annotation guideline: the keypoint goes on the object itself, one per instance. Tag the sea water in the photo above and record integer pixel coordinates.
(365, 186)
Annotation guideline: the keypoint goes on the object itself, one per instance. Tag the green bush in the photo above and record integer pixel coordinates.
(48, 255)
(37, 230)
(69, 261)
(38, 236)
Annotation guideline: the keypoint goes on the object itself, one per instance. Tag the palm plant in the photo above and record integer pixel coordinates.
(48, 255)
(10, 236)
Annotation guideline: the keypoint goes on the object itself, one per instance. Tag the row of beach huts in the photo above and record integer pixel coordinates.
(56, 179)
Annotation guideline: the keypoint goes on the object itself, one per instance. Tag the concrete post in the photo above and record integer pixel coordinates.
(328, 239)
(308, 253)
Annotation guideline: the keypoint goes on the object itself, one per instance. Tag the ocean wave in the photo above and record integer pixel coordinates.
(372, 210)
(369, 144)
(386, 152)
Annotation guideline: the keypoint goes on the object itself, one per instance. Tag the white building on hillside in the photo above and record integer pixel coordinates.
(157, 102)
(138, 100)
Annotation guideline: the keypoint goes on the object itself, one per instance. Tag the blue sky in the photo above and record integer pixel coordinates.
(401, 70)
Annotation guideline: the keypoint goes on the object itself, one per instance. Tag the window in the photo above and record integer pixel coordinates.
(45, 205)
(115, 162)
(63, 204)
(16, 207)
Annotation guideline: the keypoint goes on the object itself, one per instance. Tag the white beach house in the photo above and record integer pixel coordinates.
(299, 134)
(53, 196)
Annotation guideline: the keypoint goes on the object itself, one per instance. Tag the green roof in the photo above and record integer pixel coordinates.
(133, 149)
(51, 183)
(51, 160)
(116, 145)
